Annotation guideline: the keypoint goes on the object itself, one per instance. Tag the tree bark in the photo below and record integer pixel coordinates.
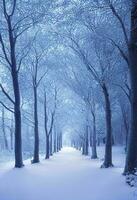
(131, 159)
(36, 132)
(47, 147)
(108, 146)
(17, 115)
(94, 139)
(16, 89)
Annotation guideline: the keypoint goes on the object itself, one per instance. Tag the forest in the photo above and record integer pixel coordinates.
(68, 99)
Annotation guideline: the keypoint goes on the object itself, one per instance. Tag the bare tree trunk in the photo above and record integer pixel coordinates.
(94, 139)
(126, 124)
(60, 140)
(11, 134)
(36, 133)
(83, 148)
(17, 115)
(90, 138)
(51, 151)
(11, 139)
(55, 141)
(16, 89)
(48, 132)
(108, 147)
(4, 131)
(47, 147)
(131, 159)
(86, 142)
(17, 110)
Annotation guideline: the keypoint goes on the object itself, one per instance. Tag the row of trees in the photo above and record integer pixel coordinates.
(16, 20)
(106, 52)
(90, 48)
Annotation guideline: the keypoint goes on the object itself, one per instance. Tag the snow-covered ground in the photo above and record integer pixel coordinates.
(66, 176)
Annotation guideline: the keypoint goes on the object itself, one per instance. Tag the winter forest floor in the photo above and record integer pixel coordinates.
(66, 176)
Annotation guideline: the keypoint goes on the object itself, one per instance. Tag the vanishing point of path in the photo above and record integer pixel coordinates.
(66, 176)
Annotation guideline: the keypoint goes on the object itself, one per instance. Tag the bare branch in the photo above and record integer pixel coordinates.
(85, 60)
(21, 59)
(121, 51)
(19, 34)
(124, 90)
(6, 94)
(6, 107)
(41, 78)
(5, 10)
(114, 11)
(4, 50)
(14, 6)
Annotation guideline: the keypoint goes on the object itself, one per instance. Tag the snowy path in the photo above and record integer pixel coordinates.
(66, 176)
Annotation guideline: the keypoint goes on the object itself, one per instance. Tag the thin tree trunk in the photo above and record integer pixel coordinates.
(90, 138)
(11, 139)
(83, 148)
(36, 133)
(4, 131)
(51, 152)
(47, 147)
(94, 139)
(86, 142)
(55, 141)
(11, 135)
(60, 141)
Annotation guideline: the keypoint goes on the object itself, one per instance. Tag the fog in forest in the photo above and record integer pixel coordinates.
(68, 87)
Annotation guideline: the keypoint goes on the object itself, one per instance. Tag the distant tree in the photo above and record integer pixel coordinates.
(37, 76)
(92, 105)
(49, 127)
(4, 129)
(102, 76)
